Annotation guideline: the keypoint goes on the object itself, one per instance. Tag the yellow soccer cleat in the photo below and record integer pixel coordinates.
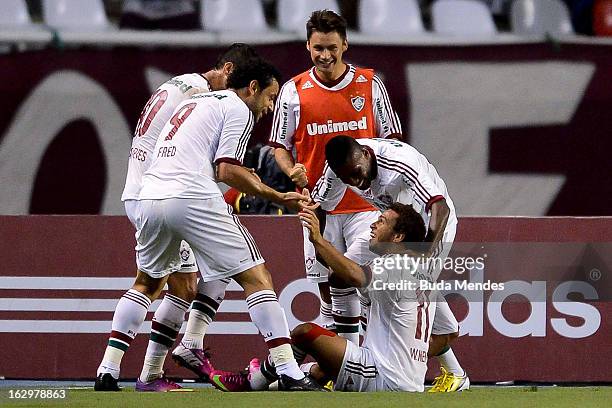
(449, 382)
(329, 386)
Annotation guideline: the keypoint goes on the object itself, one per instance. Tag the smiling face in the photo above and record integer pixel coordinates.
(326, 51)
(382, 230)
(260, 102)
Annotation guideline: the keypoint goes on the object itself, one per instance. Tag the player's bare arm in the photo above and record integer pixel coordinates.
(348, 271)
(243, 180)
(295, 171)
(437, 223)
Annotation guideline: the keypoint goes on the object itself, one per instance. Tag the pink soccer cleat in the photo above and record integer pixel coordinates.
(195, 360)
(161, 384)
(229, 381)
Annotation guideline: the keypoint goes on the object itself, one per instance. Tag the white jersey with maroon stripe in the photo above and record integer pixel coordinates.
(204, 130)
(399, 327)
(154, 116)
(403, 175)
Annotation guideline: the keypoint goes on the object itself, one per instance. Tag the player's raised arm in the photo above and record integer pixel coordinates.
(281, 134)
(343, 268)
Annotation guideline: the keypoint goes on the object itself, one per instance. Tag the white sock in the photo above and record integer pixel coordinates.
(450, 362)
(130, 312)
(267, 314)
(203, 311)
(326, 319)
(165, 326)
(346, 310)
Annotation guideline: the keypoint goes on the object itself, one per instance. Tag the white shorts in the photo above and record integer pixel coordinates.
(221, 244)
(444, 321)
(188, 262)
(358, 372)
(345, 232)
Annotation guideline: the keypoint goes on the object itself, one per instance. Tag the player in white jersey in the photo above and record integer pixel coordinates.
(384, 171)
(204, 143)
(394, 353)
(182, 285)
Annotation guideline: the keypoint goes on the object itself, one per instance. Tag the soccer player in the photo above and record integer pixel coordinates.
(204, 143)
(394, 353)
(133, 306)
(383, 171)
(329, 99)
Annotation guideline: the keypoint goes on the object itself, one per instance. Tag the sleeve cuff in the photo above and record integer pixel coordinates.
(278, 145)
(229, 160)
(433, 200)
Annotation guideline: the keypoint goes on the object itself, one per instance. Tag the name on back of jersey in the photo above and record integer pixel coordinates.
(314, 129)
(138, 154)
(166, 151)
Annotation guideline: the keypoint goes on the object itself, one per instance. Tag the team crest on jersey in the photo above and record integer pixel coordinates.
(385, 199)
(358, 103)
(307, 85)
(360, 79)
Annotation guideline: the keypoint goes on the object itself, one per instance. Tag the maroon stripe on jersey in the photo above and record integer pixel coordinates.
(331, 84)
(228, 160)
(319, 183)
(277, 145)
(416, 180)
(277, 342)
(433, 200)
(274, 135)
(395, 124)
(395, 136)
(417, 334)
(244, 138)
(405, 173)
(426, 321)
(121, 336)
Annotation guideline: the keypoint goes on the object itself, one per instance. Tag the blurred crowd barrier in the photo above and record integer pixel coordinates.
(517, 127)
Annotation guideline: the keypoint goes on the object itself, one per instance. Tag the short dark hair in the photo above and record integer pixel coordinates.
(339, 150)
(237, 53)
(326, 21)
(409, 222)
(254, 69)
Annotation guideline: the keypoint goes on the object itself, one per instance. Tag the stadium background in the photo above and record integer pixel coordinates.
(518, 126)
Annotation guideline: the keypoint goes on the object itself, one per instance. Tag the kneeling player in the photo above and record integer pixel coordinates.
(394, 353)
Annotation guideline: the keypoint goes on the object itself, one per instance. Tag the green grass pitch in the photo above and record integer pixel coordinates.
(477, 397)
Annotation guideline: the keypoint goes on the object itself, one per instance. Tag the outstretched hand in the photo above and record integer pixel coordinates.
(299, 201)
